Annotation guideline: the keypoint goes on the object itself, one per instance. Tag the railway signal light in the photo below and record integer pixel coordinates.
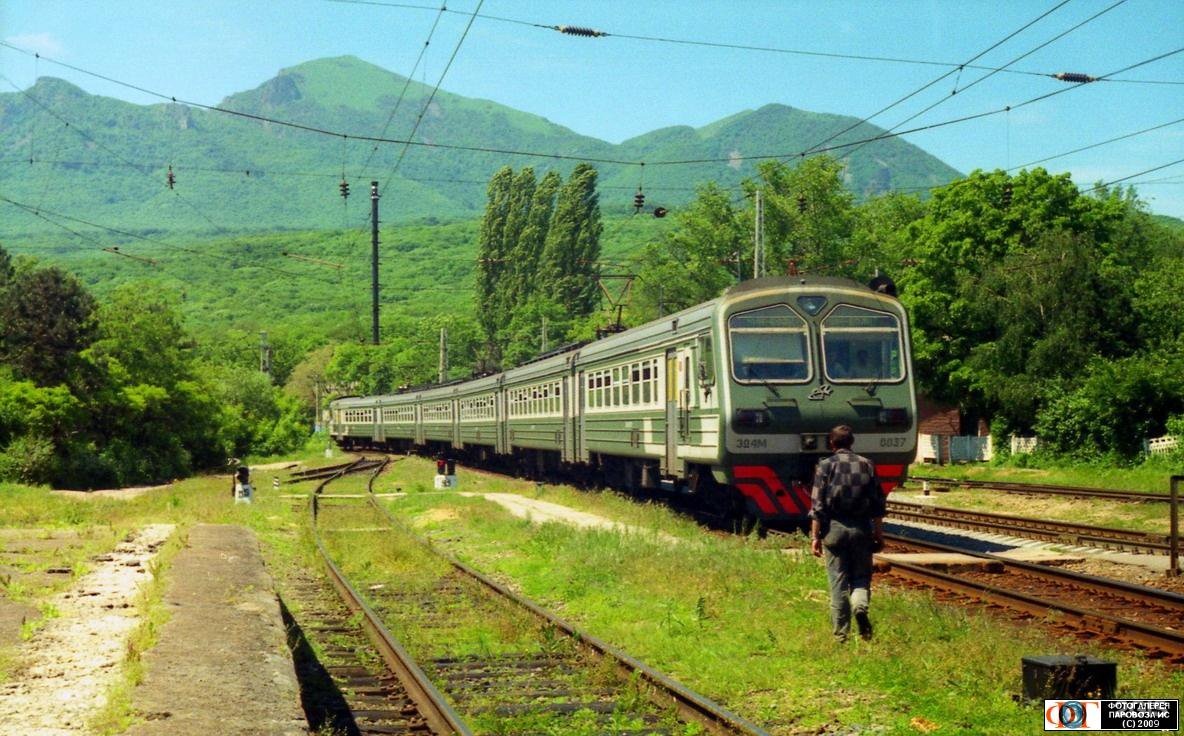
(638, 201)
(660, 212)
(344, 187)
(170, 178)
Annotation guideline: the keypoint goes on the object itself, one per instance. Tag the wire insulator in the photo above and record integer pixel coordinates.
(580, 31)
(170, 178)
(1074, 77)
(638, 201)
(344, 187)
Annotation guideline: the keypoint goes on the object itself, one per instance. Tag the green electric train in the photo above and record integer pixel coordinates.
(729, 401)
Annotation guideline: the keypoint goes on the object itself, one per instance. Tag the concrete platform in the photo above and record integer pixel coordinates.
(943, 561)
(221, 665)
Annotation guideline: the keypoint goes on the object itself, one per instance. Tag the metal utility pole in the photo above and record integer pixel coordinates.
(264, 354)
(374, 262)
(443, 354)
(758, 238)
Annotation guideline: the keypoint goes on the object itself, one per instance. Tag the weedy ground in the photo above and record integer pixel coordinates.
(736, 618)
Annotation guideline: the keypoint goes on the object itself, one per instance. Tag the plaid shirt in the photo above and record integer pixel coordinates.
(846, 487)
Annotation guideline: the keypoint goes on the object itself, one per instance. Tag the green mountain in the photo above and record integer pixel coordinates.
(104, 160)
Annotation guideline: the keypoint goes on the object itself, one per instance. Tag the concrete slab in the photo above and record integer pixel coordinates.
(221, 665)
(943, 561)
(1041, 556)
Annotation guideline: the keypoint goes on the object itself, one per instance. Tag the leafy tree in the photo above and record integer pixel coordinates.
(809, 215)
(140, 330)
(491, 256)
(694, 262)
(569, 269)
(46, 318)
(6, 269)
(308, 377)
(523, 335)
(1017, 280)
(521, 199)
(528, 251)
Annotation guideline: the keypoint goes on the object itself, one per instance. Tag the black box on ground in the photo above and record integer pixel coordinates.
(1058, 677)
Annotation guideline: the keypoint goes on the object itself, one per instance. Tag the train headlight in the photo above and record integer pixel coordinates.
(893, 417)
(754, 418)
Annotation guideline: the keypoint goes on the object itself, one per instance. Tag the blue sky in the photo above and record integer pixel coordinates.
(615, 88)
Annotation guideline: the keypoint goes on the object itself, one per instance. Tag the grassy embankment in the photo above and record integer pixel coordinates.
(746, 623)
(734, 618)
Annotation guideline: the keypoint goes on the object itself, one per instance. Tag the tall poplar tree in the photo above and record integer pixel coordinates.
(528, 252)
(518, 209)
(569, 268)
(491, 258)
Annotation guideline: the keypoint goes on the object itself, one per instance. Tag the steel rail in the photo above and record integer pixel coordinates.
(1169, 641)
(1144, 593)
(690, 705)
(331, 471)
(1046, 529)
(1041, 489)
(431, 703)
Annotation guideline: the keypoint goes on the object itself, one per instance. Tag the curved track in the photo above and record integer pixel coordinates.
(511, 685)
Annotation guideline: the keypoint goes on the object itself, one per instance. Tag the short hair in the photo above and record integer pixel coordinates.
(841, 438)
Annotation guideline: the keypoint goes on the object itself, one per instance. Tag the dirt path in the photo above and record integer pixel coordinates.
(544, 511)
(64, 671)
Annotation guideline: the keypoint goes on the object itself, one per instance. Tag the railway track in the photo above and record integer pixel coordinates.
(356, 679)
(544, 677)
(1125, 540)
(1117, 613)
(1040, 489)
(330, 472)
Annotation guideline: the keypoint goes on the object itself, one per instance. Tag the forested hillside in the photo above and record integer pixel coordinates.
(101, 159)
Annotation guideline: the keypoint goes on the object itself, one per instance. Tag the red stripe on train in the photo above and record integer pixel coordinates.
(759, 496)
(794, 500)
(891, 476)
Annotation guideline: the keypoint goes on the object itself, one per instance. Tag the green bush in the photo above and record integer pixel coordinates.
(29, 459)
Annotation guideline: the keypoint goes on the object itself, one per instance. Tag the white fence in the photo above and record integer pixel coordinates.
(1162, 445)
(1023, 445)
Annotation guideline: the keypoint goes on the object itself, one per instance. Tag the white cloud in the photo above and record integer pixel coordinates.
(42, 43)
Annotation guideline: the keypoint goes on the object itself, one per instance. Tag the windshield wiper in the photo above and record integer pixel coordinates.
(771, 387)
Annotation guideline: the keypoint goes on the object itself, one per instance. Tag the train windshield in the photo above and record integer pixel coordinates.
(861, 345)
(769, 344)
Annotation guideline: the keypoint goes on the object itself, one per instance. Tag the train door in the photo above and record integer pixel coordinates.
(678, 408)
(579, 400)
(379, 429)
(503, 422)
(419, 438)
(456, 443)
(670, 461)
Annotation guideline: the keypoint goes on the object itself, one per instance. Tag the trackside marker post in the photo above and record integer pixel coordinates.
(1174, 542)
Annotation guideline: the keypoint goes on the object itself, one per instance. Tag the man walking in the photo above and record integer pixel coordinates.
(847, 521)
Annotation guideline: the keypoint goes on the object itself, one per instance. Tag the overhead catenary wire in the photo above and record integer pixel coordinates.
(591, 32)
(934, 81)
(1112, 182)
(1075, 78)
(1098, 144)
(406, 84)
(428, 104)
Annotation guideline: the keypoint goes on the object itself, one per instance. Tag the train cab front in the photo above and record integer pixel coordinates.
(800, 360)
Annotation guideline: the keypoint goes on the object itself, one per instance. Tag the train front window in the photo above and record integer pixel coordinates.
(769, 345)
(861, 345)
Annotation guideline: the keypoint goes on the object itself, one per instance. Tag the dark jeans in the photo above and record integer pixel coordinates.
(848, 549)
